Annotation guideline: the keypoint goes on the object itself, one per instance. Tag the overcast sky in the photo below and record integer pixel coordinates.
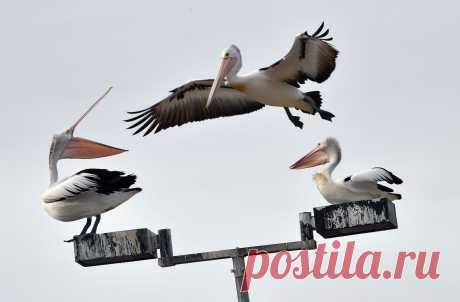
(225, 183)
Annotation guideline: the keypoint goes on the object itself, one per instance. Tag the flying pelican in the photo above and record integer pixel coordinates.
(359, 186)
(89, 192)
(311, 57)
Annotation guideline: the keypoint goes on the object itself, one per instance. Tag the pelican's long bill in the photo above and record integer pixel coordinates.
(316, 157)
(225, 66)
(72, 128)
(82, 148)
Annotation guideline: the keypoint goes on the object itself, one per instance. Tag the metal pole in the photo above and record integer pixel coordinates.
(306, 226)
(98, 248)
(166, 250)
(238, 271)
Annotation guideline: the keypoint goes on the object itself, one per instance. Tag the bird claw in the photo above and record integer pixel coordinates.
(82, 236)
(296, 121)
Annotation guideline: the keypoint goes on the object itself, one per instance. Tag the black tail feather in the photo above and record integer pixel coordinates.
(109, 181)
(326, 115)
(394, 179)
(315, 97)
(383, 188)
(397, 196)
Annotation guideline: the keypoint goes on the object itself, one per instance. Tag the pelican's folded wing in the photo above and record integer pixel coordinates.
(368, 179)
(311, 58)
(187, 103)
(70, 187)
(100, 181)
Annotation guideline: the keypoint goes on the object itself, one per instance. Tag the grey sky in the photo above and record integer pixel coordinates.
(225, 183)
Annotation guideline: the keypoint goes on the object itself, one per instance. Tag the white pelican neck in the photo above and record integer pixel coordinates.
(335, 156)
(53, 171)
(237, 64)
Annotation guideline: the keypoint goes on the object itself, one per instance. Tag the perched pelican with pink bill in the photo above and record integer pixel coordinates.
(363, 185)
(90, 192)
(311, 57)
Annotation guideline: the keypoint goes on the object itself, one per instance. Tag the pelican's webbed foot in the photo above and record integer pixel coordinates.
(83, 236)
(84, 230)
(293, 118)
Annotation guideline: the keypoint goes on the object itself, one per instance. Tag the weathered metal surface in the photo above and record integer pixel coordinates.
(243, 252)
(238, 271)
(115, 247)
(355, 218)
(165, 246)
(307, 225)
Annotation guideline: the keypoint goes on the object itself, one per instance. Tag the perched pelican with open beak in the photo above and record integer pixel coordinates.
(89, 192)
(359, 186)
(311, 58)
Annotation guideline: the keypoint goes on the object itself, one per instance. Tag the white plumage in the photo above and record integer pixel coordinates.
(364, 185)
(311, 57)
(80, 195)
(68, 187)
(90, 192)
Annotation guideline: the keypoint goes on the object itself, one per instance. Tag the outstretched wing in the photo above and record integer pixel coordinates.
(98, 181)
(310, 58)
(369, 179)
(187, 103)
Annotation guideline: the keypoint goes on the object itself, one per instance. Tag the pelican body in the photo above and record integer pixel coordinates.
(311, 57)
(261, 87)
(87, 194)
(363, 185)
(90, 192)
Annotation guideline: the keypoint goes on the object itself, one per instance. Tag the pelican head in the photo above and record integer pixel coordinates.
(230, 65)
(324, 152)
(66, 145)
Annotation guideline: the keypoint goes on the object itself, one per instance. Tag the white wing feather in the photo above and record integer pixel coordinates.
(367, 180)
(70, 187)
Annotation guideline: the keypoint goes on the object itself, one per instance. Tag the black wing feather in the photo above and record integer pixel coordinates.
(388, 176)
(310, 58)
(187, 104)
(108, 182)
